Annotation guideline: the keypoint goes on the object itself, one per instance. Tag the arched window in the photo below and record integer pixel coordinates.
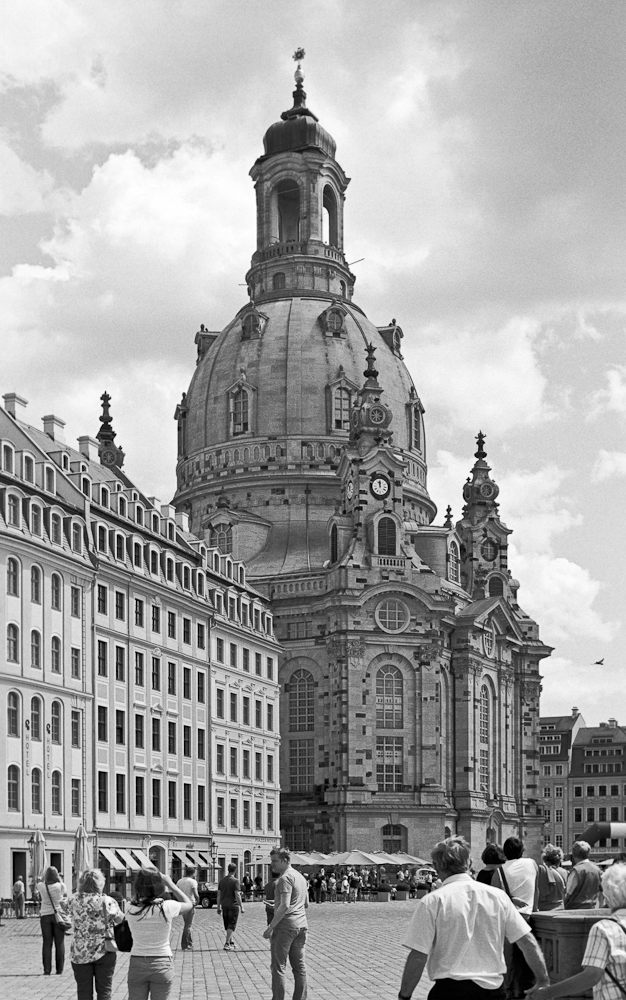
(86, 486)
(50, 480)
(13, 714)
(56, 793)
(416, 428)
(13, 577)
(29, 469)
(389, 698)
(301, 701)
(342, 288)
(484, 738)
(169, 570)
(386, 537)
(329, 217)
(55, 591)
(35, 585)
(250, 326)
(122, 506)
(496, 586)
(394, 837)
(13, 644)
(14, 511)
(7, 458)
(104, 496)
(278, 281)
(13, 788)
(36, 790)
(55, 528)
(239, 411)
(35, 718)
(342, 409)
(102, 539)
(55, 655)
(453, 562)
(55, 722)
(35, 648)
(334, 549)
(137, 554)
(222, 538)
(288, 210)
(35, 519)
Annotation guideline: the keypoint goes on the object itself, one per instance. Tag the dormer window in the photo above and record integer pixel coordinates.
(29, 469)
(333, 321)
(222, 538)
(7, 458)
(239, 411)
(122, 507)
(139, 515)
(155, 523)
(252, 324)
(49, 480)
(102, 539)
(86, 487)
(65, 463)
(13, 511)
(170, 532)
(104, 496)
(77, 544)
(341, 408)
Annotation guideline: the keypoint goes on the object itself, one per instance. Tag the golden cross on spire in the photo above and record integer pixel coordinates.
(298, 55)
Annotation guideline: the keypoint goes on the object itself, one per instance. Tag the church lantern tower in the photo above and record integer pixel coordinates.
(399, 662)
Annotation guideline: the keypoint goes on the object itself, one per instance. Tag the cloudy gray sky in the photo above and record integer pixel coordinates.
(486, 145)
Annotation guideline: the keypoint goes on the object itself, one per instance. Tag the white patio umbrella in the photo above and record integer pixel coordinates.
(82, 851)
(39, 855)
(357, 858)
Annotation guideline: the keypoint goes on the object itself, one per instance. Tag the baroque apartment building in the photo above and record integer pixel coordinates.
(138, 673)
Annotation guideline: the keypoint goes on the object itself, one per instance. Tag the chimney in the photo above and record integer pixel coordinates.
(575, 712)
(88, 447)
(613, 723)
(53, 427)
(15, 405)
(182, 520)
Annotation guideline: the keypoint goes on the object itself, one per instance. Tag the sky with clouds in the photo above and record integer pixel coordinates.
(486, 144)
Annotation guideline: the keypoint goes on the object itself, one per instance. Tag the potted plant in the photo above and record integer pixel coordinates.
(402, 890)
(383, 892)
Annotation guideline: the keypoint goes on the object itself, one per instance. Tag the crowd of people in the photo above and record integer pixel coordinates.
(471, 932)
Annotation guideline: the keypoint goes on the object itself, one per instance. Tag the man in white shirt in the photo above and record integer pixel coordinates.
(189, 886)
(518, 877)
(459, 931)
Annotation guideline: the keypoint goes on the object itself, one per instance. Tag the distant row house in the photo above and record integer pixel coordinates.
(582, 779)
(138, 670)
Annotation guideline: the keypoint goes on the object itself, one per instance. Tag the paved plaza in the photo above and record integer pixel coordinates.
(353, 951)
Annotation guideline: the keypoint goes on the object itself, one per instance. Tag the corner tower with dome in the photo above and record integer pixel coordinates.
(410, 675)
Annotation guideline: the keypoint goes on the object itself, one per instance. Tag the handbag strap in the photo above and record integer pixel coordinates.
(50, 897)
(619, 985)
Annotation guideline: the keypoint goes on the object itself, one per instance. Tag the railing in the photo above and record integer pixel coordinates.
(393, 562)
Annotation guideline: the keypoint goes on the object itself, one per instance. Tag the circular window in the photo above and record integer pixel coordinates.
(392, 616)
(489, 549)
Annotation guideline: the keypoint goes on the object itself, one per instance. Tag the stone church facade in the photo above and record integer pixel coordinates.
(410, 675)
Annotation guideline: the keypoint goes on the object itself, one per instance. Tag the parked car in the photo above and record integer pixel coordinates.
(207, 894)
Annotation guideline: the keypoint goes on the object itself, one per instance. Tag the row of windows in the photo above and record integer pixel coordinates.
(233, 704)
(156, 616)
(233, 763)
(172, 677)
(157, 730)
(14, 792)
(233, 659)
(34, 723)
(120, 786)
(13, 578)
(246, 806)
(23, 513)
(140, 556)
(602, 814)
(56, 651)
(602, 790)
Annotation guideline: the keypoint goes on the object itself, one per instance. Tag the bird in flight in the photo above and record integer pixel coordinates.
(598, 663)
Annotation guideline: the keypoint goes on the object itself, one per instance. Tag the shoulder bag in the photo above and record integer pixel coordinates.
(518, 903)
(613, 979)
(109, 937)
(123, 936)
(60, 918)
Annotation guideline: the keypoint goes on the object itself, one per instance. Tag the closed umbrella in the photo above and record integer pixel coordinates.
(39, 855)
(82, 851)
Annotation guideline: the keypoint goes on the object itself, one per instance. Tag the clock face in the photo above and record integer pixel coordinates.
(350, 490)
(377, 414)
(380, 486)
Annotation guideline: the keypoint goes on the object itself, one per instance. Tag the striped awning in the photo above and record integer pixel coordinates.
(128, 858)
(112, 858)
(181, 856)
(142, 859)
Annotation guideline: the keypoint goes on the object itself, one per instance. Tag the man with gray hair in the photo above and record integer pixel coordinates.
(288, 927)
(583, 882)
(458, 932)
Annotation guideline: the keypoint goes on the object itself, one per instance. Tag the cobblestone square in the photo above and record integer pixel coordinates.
(353, 951)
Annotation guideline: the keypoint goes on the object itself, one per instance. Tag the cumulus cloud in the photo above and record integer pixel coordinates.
(611, 399)
(609, 464)
(23, 189)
